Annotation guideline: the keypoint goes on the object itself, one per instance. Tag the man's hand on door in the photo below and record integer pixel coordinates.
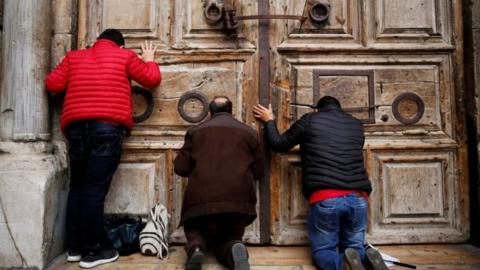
(262, 113)
(148, 51)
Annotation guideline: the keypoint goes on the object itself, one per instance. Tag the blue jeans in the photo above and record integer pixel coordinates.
(338, 222)
(94, 149)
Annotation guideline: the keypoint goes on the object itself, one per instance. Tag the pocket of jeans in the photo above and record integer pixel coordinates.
(107, 144)
(359, 221)
(326, 216)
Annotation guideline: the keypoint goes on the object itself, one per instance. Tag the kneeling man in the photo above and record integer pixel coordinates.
(222, 159)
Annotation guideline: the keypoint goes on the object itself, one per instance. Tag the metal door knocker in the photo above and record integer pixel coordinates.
(148, 97)
(213, 13)
(193, 106)
(319, 12)
(216, 11)
(408, 108)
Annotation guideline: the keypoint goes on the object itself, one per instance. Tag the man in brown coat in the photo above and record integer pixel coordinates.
(222, 159)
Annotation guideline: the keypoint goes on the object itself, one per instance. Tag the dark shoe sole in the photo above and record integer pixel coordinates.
(375, 260)
(240, 257)
(87, 265)
(195, 261)
(352, 259)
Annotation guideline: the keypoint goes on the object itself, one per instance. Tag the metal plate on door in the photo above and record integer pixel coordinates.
(193, 106)
(408, 108)
(142, 98)
(319, 12)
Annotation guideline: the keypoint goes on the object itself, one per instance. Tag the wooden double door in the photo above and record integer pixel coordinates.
(397, 65)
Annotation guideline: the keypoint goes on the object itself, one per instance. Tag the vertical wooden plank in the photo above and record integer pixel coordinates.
(82, 24)
(64, 39)
(264, 91)
(463, 177)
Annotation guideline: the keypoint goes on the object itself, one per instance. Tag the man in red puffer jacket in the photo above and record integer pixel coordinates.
(97, 113)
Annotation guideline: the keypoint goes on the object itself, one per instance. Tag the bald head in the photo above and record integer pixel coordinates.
(220, 104)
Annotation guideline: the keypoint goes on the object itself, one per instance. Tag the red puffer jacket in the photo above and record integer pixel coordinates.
(97, 83)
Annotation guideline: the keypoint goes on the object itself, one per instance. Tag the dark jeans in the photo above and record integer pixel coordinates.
(337, 223)
(219, 232)
(94, 148)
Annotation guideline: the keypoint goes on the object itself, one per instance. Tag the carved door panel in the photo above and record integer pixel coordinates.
(198, 61)
(396, 65)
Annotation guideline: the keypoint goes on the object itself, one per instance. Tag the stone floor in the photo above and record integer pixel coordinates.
(443, 257)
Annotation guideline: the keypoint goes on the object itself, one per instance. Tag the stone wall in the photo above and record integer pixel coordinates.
(33, 163)
(472, 87)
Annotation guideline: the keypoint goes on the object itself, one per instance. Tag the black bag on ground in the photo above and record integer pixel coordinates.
(123, 234)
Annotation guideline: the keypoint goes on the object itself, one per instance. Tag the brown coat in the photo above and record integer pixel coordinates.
(221, 158)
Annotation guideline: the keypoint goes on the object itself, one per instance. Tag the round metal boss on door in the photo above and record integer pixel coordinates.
(193, 106)
(408, 108)
(147, 102)
(319, 12)
(213, 13)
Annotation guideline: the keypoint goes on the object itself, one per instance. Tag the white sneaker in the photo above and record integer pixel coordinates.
(73, 255)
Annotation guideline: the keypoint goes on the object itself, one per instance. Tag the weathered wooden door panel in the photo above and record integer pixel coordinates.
(393, 64)
(289, 208)
(136, 183)
(415, 196)
(421, 23)
(137, 19)
(376, 83)
(208, 80)
(341, 30)
(193, 31)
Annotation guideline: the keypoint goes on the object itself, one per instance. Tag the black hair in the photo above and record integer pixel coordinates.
(113, 35)
(220, 104)
(327, 100)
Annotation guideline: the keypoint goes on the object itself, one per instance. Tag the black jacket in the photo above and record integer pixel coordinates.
(331, 147)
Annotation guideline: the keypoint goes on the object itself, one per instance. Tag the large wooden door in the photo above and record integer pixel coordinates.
(395, 64)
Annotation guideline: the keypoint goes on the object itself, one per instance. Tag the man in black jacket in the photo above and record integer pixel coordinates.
(334, 182)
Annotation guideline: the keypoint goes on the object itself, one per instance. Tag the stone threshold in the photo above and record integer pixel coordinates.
(441, 256)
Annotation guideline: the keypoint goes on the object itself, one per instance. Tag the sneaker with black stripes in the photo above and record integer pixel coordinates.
(91, 259)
